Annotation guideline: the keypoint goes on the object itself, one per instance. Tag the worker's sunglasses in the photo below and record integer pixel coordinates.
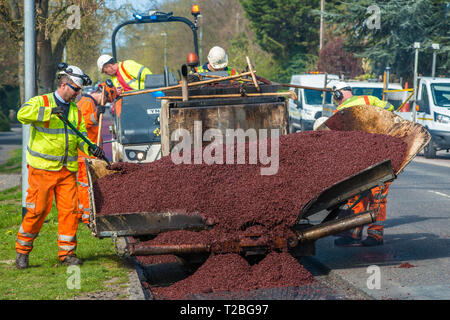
(76, 89)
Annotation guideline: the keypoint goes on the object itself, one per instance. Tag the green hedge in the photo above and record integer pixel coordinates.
(9, 99)
(4, 123)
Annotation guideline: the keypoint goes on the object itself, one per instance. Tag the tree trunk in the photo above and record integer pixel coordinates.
(45, 69)
(21, 71)
(44, 59)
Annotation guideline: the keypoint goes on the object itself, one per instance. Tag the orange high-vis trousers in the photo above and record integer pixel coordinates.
(43, 185)
(360, 206)
(376, 201)
(83, 193)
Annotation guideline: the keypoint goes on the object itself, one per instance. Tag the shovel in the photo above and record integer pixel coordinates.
(78, 133)
(100, 120)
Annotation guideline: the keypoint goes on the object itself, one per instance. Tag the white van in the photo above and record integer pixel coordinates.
(308, 106)
(433, 112)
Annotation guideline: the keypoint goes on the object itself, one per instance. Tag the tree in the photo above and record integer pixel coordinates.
(284, 28)
(52, 33)
(222, 21)
(401, 23)
(335, 60)
(288, 30)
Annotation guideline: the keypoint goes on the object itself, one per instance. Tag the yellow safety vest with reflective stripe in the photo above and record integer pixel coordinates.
(132, 73)
(366, 100)
(52, 144)
(201, 69)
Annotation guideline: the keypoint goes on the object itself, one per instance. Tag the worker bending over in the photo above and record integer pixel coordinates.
(376, 198)
(52, 165)
(126, 75)
(91, 107)
(217, 61)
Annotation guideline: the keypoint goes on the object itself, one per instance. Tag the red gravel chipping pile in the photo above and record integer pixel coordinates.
(238, 199)
(232, 273)
(235, 195)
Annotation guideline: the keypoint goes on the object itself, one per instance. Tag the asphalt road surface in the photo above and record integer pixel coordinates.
(416, 232)
(10, 140)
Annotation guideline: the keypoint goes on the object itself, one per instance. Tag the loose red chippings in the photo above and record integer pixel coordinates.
(232, 273)
(238, 200)
(406, 265)
(236, 197)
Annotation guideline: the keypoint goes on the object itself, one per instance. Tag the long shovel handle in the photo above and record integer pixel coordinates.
(100, 121)
(101, 117)
(78, 133)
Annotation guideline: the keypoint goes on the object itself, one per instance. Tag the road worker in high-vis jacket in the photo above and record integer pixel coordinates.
(126, 75)
(52, 161)
(91, 106)
(217, 61)
(376, 199)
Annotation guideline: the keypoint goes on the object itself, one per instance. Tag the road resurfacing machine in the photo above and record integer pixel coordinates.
(145, 120)
(254, 107)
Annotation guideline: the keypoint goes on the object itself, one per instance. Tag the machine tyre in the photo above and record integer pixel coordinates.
(430, 150)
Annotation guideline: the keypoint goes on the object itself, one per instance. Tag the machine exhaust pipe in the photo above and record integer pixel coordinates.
(308, 235)
(337, 226)
(161, 249)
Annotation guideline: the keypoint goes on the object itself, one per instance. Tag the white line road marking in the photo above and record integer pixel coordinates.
(440, 193)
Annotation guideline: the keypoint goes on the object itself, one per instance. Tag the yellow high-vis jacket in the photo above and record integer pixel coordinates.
(52, 144)
(365, 100)
(130, 75)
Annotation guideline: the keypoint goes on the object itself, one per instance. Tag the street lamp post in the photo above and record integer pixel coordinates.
(416, 62)
(322, 9)
(30, 88)
(164, 34)
(435, 47)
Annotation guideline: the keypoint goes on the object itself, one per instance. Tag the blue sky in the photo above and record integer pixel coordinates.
(138, 5)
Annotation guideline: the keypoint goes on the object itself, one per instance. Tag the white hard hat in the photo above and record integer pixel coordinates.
(341, 85)
(217, 58)
(75, 74)
(102, 60)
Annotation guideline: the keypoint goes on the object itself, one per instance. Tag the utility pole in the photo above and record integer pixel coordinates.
(322, 9)
(387, 74)
(416, 62)
(435, 47)
(30, 87)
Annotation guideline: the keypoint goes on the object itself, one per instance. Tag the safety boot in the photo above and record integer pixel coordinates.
(72, 260)
(21, 260)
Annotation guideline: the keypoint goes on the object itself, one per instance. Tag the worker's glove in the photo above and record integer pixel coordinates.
(97, 151)
(100, 110)
(58, 110)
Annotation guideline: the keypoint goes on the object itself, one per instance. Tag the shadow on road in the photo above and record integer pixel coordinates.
(397, 249)
(393, 222)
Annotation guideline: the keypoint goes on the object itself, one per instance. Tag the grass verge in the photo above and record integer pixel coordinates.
(46, 279)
